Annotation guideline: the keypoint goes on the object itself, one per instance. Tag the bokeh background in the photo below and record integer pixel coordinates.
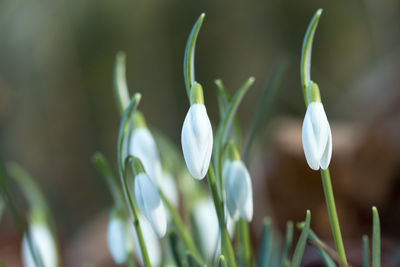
(57, 105)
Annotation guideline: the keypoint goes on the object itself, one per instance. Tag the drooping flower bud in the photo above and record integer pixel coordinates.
(197, 135)
(316, 132)
(116, 237)
(148, 200)
(143, 146)
(237, 185)
(43, 244)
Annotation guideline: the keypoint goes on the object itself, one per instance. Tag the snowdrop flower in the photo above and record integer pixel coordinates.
(237, 185)
(151, 242)
(197, 136)
(316, 132)
(148, 200)
(43, 243)
(143, 146)
(116, 237)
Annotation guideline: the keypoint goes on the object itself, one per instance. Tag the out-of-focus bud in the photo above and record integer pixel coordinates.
(148, 200)
(237, 185)
(316, 132)
(197, 135)
(151, 242)
(116, 237)
(43, 244)
(143, 146)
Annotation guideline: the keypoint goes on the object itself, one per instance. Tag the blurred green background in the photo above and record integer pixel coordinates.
(57, 105)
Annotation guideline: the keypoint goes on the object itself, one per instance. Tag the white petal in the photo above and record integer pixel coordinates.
(197, 140)
(315, 134)
(168, 185)
(241, 189)
(116, 239)
(150, 204)
(206, 221)
(229, 197)
(42, 240)
(151, 242)
(143, 146)
(326, 157)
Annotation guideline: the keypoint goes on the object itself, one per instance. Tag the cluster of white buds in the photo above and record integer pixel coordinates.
(237, 185)
(316, 132)
(39, 238)
(197, 135)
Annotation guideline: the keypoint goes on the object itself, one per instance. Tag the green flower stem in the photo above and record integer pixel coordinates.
(136, 223)
(333, 217)
(127, 115)
(245, 242)
(180, 227)
(226, 245)
(131, 259)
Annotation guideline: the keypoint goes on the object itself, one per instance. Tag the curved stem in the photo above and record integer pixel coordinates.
(333, 217)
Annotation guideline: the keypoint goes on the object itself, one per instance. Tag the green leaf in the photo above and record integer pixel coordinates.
(120, 85)
(264, 253)
(175, 248)
(188, 61)
(244, 242)
(366, 251)
(180, 227)
(305, 65)
(376, 239)
(264, 105)
(288, 242)
(301, 243)
(17, 217)
(223, 101)
(191, 260)
(225, 124)
(2, 206)
(104, 168)
(322, 249)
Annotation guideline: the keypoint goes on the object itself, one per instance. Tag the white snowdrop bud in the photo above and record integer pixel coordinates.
(316, 132)
(43, 243)
(116, 237)
(197, 135)
(237, 185)
(143, 146)
(148, 200)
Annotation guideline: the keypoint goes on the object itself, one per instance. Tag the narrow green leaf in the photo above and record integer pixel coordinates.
(376, 239)
(223, 101)
(264, 105)
(191, 260)
(188, 61)
(120, 85)
(225, 124)
(174, 245)
(366, 251)
(104, 168)
(305, 65)
(30, 189)
(244, 242)
(288, 242)
(17, 217)
(301, 243)
(180, 227)
(322, 249)
(264, 253)
(2, 206)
